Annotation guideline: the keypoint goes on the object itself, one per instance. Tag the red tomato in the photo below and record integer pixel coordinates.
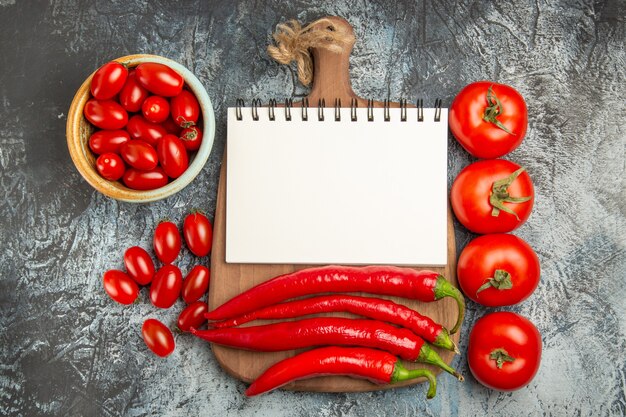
(155, 109)
(140, 128)
(198, 233)
(185, 109)
(104, 141)
(171, 127)
(133, 94)
(504, 351)
(110, 166)
(482, 192)
(158, 337)
(166, 242)
(196, 283)
(172, 156)
(159, 79)
(145, 180)
(498, 270)
(488, 119)
(165, 287)
(139, 265)
(192, 316)
(139, 154)
(108, 80)
(105, 114)
(192, 138)
(120, 287)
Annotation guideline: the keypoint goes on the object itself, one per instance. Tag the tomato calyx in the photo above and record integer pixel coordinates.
(501, 280)
(184, 123)
(493, 110)
(500, 195)
(190, 135)
(500, 356)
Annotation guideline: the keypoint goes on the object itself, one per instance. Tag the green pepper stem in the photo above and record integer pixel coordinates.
(443, 340)
(400, 373)
(428, 355)
(444, 289)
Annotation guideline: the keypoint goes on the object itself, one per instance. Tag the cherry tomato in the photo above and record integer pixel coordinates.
(155, 109)
(133, 94)
(110, 166)
(139, 154)
(498, 270)
(105, 114)
(198, 233)
(139, 265)
(488, 119)
(166, 242)
(192, 316)
(145, 180)
(120, 287)
(108, 80)
(185, 109)
(192, 138)
(158, 337)
(104, 141)
(483, 196)
(139, 128)
(165, 287)
(504, 351)
(196, 283)
(171, 127)
(172, 156)
(159, 79)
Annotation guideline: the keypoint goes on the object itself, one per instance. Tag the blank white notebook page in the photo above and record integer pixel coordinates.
(345, 192)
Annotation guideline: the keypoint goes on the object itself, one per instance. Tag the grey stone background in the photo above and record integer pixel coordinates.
(67, 350)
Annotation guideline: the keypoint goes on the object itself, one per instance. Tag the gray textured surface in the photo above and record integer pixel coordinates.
(68, 350)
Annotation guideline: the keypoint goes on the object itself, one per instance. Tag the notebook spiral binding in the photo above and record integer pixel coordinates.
(321, 105)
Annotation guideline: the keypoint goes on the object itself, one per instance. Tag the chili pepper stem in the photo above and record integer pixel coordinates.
(444, 289)
(444, 341)
(400, 373)
(428, 355)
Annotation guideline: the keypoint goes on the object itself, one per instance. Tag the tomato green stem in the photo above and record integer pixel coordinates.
(500, 195)
(493, 110)
(501, 280)
(501, 356)
(444, 289)
(400, 373)
(428, 355)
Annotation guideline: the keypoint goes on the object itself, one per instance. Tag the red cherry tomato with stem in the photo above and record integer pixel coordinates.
(104, 141)
(133, 94)
(192, 138)
(166, 242)
(155, 109)
(193, 316)
(108, 80)
(158, 337)
(139, 265)
(185, 109)
(110, 166)
(139, 154)
(165, 287)
(139, 128)
(120, 287)
(105, 114)
(159, 79)
(196, 284)
(172, 156)
(198, 233)
(145, 180)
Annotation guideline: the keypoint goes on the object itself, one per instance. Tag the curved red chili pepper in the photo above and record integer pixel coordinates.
(320, 331)
(374, 308)
(386, 280)
(375, 365)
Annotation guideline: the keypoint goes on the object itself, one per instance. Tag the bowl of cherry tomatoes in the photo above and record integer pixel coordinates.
(140, 128)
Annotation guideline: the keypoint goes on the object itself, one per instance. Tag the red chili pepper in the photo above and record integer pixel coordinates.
(374, 308)
(375, 365)
(386, 280)
(320, 331)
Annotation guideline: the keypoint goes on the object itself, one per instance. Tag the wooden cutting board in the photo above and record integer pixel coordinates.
(331, 81)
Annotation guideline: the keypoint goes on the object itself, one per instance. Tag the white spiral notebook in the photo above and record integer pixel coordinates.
(361, 186)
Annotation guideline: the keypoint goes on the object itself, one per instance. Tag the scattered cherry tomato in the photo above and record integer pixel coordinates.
(196, 283)
(108, 80)
(185, 109)
(172, 156)
(155, 109)
(120, 287)
(198, 233)
(166, 285)
(192, 138)
(110, 166)
(492, 196)
(159, 79)
(133, 94)
(488, 119)
(192, 316)
(166, 242)
(145, 180)
(504, 351)
(498, 270)
(104, 141)
(105, 114)
(139, 128)
(139, 154)
(158, 337)
(139, 265)
(171, 127)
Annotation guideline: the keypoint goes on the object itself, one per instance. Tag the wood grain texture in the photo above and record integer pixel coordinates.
(331, 81)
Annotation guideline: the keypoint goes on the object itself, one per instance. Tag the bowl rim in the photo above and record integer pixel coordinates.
(77, 147)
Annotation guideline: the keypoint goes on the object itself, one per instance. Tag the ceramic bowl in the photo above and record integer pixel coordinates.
(79, 130)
